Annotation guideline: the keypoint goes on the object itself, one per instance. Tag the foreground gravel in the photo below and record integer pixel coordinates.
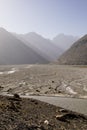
(28, 114)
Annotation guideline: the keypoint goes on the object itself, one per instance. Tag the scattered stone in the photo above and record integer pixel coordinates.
(70, 116)
(63, 110)
(9, 90)
(16, 96)
(58, 116)
(36, 103)
(46, 92)
(46, 122)
(67, 117)
(52, 81)
(59, 91)
(37, 90)
(49, 87)
(1, 87)
(13, 106)
(20, 85)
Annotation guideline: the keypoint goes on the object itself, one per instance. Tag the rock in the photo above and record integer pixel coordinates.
(59, 91)
(70, 116)
(23, 83)
(63, 110)
(46, 122)
(1, 87)
(13, 106)
(9, 90)
(67, 117)
(46, 92)
(16, 96)
(52, 81)
(20, 85)
(58, 116)
(37, 90)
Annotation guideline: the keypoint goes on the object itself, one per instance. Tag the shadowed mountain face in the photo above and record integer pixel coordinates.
(64, 41)
(14, 51)
(77, 54)
(42, 46)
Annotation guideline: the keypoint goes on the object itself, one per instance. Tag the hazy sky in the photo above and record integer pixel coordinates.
(46, 17)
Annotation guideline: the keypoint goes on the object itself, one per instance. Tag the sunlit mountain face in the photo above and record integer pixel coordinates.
(77, 54)
(42, 45)
(31, 48)
(49, 49)
(14, 51)
(64, 41)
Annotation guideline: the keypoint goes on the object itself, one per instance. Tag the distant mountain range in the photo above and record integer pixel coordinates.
(31, 48)
(64, 42)
(49, 49)
(14, 51)
(43, 46)
(77, 54)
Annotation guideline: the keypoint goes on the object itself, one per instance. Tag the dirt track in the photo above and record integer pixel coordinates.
(29, 114)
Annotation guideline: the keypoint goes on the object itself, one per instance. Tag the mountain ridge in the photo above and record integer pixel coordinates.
(64, 41)
(77, 54)
(14, 51)
(44, 46)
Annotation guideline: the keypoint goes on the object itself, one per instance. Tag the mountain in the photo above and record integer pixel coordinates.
(14, 51)
(77, 54)
(21, 38)
(42, 46)
(64, 41)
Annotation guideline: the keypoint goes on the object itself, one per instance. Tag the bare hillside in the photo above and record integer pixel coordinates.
(77, 54)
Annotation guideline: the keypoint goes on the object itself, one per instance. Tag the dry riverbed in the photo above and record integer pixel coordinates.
(54, 80)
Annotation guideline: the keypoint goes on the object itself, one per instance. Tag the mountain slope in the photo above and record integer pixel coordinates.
(14, 51)
(43, 46)
(21, 38)
(77, 54)
(64, 41)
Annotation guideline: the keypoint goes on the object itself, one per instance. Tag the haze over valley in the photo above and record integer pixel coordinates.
(43, 65)
(30, 48)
